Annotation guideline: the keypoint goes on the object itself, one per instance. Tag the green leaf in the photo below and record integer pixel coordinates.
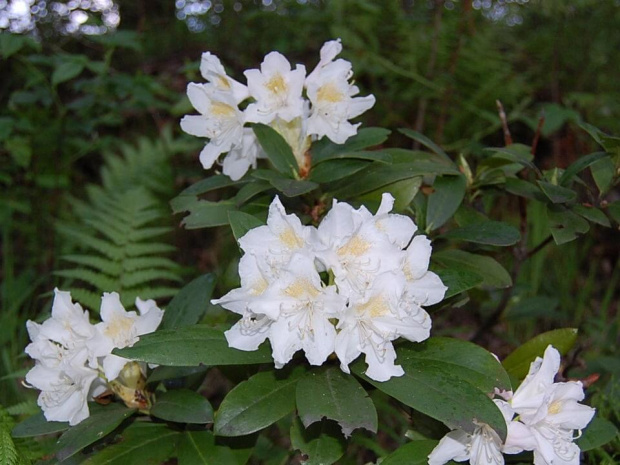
(403, 192)
(365, 137)
(123, 39)
(277, 149)
(182, 406)
(191, 346)
(533, 307)
(289, 187)
(368, 155)
(525, 189)
(66, 70)
(517, 153)
(190, 303)
(101, 422)
(486, 232)
(241, 223)
(426, 142)
(251, 190)
(209, 184)
(330, 393)
(598, 433)
(580, 165)
(8, 451)
(142, 444)
(445, 200)
(603, 173)
(517, 364)
(458, 281)
(412, 453)
(322, 443)
(199, 448)
(444, 380)
(565, 225)
(162, 373)
(614, 211)
(37, 425)
(557, 194)
(205, 214)
(492, 273)
(594, 215)
(334, 170)
(20, 150)
(11, 44)
(257, 403)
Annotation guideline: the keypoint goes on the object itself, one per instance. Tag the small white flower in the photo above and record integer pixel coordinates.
(243, 156)
(423, 287)
(549, 413)
(120, 328)
(332, 97)
(212, 70)
(482, 447)
(277, 90)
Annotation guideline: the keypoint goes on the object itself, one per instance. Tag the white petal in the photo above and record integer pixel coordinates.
(418, 257)
(380, 362)
(210, 153)
(199, 97)
(453, 446)
(149, 322)
(248, 338)
(427, 290)
(196, 125)
(113, 365)
(519, 438)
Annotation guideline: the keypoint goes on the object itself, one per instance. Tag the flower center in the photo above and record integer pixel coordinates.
(276, 84)
(375, 307)
(223, 82)
(301, 288)
(356, 247)
(222, 110)
(119, 330)
(329, 93)
(290, 239)
(554, 408)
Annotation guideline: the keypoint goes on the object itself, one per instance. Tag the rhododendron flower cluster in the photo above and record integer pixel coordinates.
(301, 108)
(541, 416)
(350, 286)
(74, 360)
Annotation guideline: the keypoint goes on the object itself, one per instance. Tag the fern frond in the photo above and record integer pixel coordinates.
(26, 407)
(89, 299)
(148, 233)
(147, 249)
(97, 280)
(90, 242)
(144, 276)
(132, 264)
(96, 262)
(8, 451)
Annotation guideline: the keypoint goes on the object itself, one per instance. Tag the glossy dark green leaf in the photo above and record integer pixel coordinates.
(100, 423)
(412, 453)
(190, 303)
(379, 174)
(257, 403)
(37, 425)
(517, 153)
(603, 173)
(448, 193)
(458, 281)
(368, 155)
(517, 364)
(334, 170)
(277, 150)
(403, 191)
(141, 444)
(614, 211)
(182, 406)
(11, 44)
(565, 225)
(592, 214)
(66, 70)
(205, 214)
(162, 373)
(200, 448)
(598, 433)
(557, 194)
(191, 346)
(492, 273)
(447, 389)
(289, 187)
(251, 190)
(581, 164)
(426, 142)
(365, 137)
(525, 189)
(209, 184)
(241, 223)
(329, 393)
(487, 232)
(322, 443)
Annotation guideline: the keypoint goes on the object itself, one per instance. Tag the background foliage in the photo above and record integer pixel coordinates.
(90, 122)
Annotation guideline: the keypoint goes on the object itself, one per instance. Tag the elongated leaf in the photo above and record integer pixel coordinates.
(517, 364)
(162, 373)
(487, 232)
(277, 150)
(426, 142)
(369, 155)
(209, 184)
(188, 306)
(101, 422)
(66, 70)
(251, 190)
(241, 223)
(557, 194)
(525, 189)
(191, 346)
(492, 273)
(565, 225)
(37, 425)
(458, 281)
(257, 403)
(580, 165)
(142, 444)
(329, 393)
(448, 391)
(445, 200)
(603, 173)
(321, 443)
(517, 153)
(204, 214)
(289, 187)
(598, 433)
(334, 170)
(182, 406)
(592, 214)
(412, 453)
(365, 137)
(199, 448)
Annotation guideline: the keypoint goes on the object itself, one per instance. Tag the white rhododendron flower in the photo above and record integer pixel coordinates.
(340, 288)
(73, 356)
(301, 109)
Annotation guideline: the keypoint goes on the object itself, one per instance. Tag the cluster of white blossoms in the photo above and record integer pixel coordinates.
(378, 282)
(301, 108)
(541, 416)
(74, 360)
